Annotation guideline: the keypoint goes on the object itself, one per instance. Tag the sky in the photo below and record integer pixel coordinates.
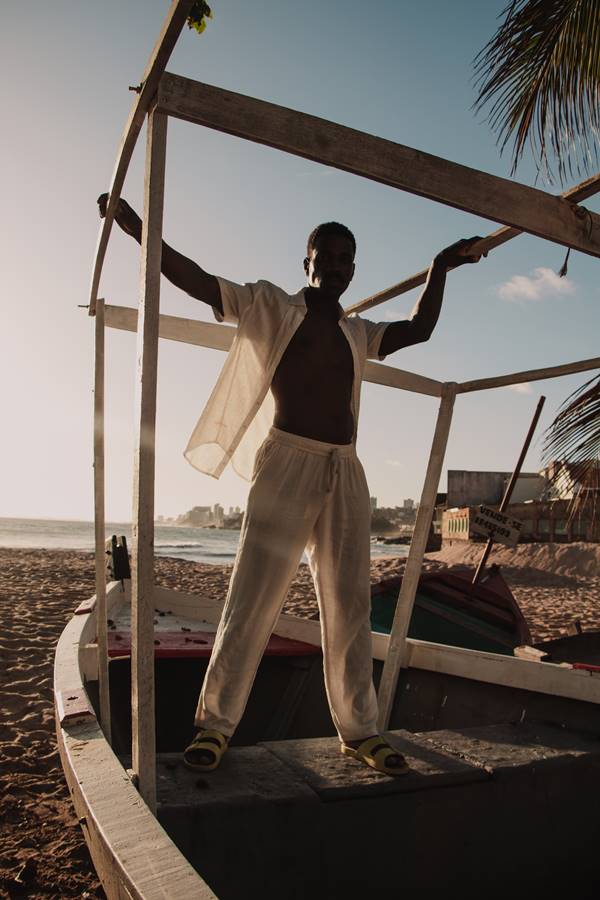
(400, 70)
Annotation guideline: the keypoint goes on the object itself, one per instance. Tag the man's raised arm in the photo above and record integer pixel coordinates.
(184, 273)
(423, 319)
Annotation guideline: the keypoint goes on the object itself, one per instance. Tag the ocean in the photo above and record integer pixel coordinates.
(205, 545)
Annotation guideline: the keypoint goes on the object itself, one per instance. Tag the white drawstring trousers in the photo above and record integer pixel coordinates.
(313, 495)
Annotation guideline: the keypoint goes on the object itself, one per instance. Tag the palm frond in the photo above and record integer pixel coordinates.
(574, 440)
(540, 73)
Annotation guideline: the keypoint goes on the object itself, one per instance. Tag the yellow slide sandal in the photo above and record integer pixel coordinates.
(377, 753)
(206, 751)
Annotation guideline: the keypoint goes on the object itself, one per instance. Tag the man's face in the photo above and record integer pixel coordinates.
(330, 266)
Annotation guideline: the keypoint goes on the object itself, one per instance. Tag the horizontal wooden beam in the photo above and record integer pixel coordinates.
(220, 337)
(501, 236)
(498, 199)
(477, 665)
(496, 668)
(484, 384)
(170, 31)
(174, 328)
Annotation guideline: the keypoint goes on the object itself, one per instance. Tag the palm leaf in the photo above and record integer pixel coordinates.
(574, 438)
(540, 75)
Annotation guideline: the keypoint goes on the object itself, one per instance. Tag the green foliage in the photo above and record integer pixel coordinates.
(540, 75)
(574, 437)
(199, 13)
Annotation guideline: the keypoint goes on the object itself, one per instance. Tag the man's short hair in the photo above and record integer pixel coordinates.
(329, 228)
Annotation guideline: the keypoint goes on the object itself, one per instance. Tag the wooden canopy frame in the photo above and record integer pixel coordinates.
(519, 208)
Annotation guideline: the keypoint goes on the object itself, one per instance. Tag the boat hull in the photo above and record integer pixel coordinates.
(468, 722)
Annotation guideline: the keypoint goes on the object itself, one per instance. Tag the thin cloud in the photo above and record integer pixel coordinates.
(393, 315)
(394, 462)
(524, 388)
(541, 283)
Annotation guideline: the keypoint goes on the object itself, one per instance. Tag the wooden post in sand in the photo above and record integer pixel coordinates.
(142, 571)
(99, 526)
(410, 581)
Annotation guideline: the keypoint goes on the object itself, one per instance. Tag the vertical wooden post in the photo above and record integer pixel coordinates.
(99, 525)
(404, 608)
(142, 571)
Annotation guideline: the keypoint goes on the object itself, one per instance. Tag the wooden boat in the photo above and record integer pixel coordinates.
(504, 751)
(450, 609)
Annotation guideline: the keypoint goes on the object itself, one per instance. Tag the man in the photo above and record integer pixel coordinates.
(308, 487)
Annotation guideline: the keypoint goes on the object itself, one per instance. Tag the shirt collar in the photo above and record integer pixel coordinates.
(298, 300)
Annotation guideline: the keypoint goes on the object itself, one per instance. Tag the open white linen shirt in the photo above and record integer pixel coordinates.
(240, 410)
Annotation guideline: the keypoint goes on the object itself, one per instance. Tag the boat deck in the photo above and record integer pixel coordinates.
(177, 636)
(327, 822)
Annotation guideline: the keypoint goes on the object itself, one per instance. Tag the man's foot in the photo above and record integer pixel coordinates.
(206, 750)
(377, 753)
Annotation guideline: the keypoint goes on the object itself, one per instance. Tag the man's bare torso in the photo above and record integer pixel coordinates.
(312, 385)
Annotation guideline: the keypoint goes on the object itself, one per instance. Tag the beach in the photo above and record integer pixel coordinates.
(42, 851)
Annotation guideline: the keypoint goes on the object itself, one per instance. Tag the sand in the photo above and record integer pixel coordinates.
(42, 851)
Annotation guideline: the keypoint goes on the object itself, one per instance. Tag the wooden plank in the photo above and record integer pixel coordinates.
(497, 527)
(220, 337)
(576, 194)
(294, 627)
(498, 199)
(132, 854)
(167, 38)
(484, 384)
(175, 328)
(86, 606)
(99, 523)
(142, 574)
(390, 376)
(73, 707)
(495, 668)
(412, 572)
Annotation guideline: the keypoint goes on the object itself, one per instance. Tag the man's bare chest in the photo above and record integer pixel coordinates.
(319, 347)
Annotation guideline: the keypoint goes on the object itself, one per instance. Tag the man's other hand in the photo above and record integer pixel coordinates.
(125, 216)
(459, 253)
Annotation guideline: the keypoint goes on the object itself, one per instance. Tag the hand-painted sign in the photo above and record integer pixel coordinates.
(496, 525)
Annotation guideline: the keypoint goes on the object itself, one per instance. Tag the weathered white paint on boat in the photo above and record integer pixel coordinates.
(133, 855)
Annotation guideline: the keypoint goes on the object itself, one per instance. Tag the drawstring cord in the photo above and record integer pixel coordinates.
(333, 469)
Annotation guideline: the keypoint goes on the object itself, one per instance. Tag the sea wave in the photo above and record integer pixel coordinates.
(179, 545)
(202, 552)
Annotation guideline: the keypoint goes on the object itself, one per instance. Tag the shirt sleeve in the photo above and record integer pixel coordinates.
(374, 332)
(236, 298)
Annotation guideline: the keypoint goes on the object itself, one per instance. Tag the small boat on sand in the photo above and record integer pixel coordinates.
(450, 609)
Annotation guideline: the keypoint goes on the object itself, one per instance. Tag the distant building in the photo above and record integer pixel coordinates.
(218, 515)
(197, 516)
(409, 504)
(565, 481)
(542, 520)
(373, 503)
(233, 522)
(467, 488)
